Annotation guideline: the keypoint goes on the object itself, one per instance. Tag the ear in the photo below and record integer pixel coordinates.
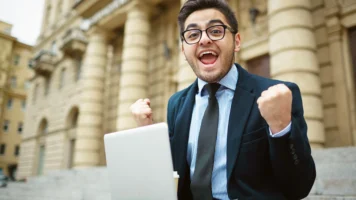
(182, 46)
(237, 42)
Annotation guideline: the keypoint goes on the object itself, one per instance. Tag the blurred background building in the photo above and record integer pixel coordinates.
(14, 82)
(93, 59)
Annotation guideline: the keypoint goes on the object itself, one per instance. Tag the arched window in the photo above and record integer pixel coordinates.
(259, 66)
(79, 68)
(43, 128)
(47, 86)
(72, 118)
(72, 121)
(41, 159)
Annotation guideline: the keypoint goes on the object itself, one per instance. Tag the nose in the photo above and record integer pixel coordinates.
(204, 39)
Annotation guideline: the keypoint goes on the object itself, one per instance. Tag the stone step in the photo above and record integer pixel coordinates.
(60, 193)
(319, 197)
(76, 176)
(335, 155)
(336, 180)
(336, 171)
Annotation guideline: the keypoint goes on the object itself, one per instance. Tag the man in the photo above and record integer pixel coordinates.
(233, 135)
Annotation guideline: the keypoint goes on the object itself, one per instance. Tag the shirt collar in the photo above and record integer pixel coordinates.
(228, 81)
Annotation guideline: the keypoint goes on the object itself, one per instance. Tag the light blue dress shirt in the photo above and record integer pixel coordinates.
(224, 96)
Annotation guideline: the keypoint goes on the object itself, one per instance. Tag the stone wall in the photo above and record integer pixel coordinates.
(55, 108)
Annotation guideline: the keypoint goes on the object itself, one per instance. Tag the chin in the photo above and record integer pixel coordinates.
(210, 78)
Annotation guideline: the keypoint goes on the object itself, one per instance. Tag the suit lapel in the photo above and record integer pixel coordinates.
(182, 126)
(240, 110)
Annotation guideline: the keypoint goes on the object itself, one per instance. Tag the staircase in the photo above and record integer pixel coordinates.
(336, 180)
(336, 174)
(83, 184)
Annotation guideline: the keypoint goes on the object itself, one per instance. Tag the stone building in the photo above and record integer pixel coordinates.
(14, 75)
(94, 58)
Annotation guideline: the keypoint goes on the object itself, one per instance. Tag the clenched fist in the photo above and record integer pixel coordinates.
(275, 105)
(142, 112)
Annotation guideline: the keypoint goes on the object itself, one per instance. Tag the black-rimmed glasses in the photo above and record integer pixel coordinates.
(217, 32)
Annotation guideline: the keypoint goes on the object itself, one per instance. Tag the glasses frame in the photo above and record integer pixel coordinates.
(201, 33)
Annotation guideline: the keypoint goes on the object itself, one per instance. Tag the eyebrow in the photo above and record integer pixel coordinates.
(213, 21)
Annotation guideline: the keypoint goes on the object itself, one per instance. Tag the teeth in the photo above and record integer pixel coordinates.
(207, 52)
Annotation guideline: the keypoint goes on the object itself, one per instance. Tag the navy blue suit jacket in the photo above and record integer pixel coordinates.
(258, 166)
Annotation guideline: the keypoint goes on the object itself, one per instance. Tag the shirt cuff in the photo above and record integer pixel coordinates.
(282, 132)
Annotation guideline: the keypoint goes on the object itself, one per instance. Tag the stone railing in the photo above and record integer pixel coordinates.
(42, 63)
(74, 42)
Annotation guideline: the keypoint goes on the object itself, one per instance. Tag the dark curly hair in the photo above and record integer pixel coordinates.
(191, 6)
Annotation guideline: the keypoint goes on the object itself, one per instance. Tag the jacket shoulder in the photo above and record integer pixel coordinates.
(173, 105)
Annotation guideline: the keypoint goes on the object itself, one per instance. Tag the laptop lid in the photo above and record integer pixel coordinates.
(139, 163)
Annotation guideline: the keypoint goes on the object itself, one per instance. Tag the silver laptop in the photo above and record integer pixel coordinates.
(139, 164)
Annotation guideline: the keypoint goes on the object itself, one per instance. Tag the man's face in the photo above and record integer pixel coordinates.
(210, 60)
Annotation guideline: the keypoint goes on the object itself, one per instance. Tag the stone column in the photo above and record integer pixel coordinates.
(45, 21)
(90, 122)
(185, 75)
(292, 48)
(134, 68)
(53, 14)
(66, 7)
(343, 109)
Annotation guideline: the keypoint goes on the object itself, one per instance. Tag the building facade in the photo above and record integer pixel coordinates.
(14, 81)
(95, 58)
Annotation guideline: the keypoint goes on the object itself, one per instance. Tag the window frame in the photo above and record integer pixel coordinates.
(2, 149)
(7, 124)
(20, 126)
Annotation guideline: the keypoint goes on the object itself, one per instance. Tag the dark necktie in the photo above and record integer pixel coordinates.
(201, 180)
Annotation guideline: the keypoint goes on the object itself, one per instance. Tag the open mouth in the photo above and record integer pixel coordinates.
(208, 57)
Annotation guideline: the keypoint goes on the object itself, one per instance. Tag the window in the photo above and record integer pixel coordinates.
(23, 105)
(47, 86)
(16, 59)
(6, 125)
(352, 39)
(40, 164)
(71, 153)
(43, 129)
(79, 69)
(54, 48)
(2, 149)
(20, 127)
(9, 103)
(259, 66)
(27, 85)
(61, 81)
(17, 150)
(13, 82)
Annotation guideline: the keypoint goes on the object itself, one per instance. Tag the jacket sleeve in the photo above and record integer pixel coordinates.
(292, 163)
(171, 114)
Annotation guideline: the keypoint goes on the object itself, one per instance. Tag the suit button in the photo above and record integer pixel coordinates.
(292, 151)
(296, 162)
(295, 156)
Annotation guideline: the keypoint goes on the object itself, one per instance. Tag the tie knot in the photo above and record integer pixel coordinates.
(212, 88)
